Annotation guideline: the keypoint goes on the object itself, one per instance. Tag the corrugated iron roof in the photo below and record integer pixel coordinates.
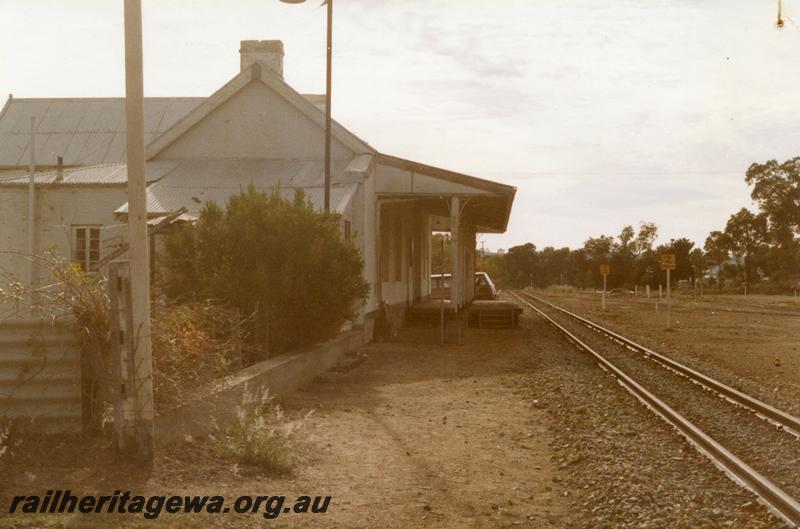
(194, 182)
(116, 173)
(85, 131)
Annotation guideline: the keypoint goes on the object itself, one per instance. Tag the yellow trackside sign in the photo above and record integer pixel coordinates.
(604, 269)
(668, 261)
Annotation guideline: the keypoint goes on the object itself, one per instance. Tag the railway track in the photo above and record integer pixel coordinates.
(754, 443)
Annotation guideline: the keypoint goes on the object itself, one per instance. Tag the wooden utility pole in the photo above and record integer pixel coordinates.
(328, 82)
(137, 234)
(32, 215)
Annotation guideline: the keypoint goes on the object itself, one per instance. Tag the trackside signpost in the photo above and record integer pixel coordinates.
(604, 270)
(668, 263)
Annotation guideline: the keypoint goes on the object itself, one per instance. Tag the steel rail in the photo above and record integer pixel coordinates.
(788, 422)
(783, 504)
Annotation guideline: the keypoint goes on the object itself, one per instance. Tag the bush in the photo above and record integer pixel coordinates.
(4, 431)
(261, 435)
(192, 344)
(275, 259)
(66, 289)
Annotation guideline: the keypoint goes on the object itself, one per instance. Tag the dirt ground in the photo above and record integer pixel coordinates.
(418, 435)
(513, 429)
(751, 343)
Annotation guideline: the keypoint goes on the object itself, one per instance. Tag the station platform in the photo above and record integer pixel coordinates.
(481, 314)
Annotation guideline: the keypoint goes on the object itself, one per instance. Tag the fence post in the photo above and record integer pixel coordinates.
(131, 408)
(122, 372)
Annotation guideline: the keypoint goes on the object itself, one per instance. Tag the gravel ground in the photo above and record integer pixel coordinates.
(410, 434)
(725, 337)
(773, 453)
(513, 429)
(618, 463)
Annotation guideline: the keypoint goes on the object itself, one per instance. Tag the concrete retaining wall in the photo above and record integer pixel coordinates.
(280, 375)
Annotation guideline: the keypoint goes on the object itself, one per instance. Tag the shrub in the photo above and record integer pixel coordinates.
(275, 259)
(192, 344)
(261, 435)
(66, 289)
(4, 431)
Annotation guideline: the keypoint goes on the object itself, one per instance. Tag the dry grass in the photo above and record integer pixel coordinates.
(261, 434)
(562, 290)
(4, 432)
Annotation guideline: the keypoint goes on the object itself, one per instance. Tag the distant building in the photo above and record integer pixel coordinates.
(254, 129)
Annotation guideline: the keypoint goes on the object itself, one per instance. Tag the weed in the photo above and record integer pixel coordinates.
(261, 434)
(4, 431)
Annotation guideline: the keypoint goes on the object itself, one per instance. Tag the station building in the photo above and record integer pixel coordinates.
(254, 129)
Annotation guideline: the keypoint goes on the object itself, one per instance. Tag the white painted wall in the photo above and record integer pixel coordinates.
(58, 208)
(13, 233)
(402, 222)
(255, 122)
(366, 240)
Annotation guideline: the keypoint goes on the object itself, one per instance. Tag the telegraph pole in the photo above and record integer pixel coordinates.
(328, 82)
(32, 216)
(137, 234)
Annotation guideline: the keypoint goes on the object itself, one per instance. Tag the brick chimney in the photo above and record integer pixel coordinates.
(269, 53)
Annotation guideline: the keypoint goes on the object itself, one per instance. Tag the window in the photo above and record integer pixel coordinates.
(346, 230)
(86, 246)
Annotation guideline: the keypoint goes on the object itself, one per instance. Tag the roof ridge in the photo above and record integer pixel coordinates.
(277, 84)
(104, 98)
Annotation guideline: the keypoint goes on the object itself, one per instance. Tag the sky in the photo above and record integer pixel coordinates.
(600, 113)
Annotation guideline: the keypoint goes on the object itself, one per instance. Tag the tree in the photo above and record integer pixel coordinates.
(776, 189)
(274, 258)
(718, 249)
(647, 267)
(681, 248)
(623, 260)
(746, 234)
(697, 260)
(645, 238)
(597, 251)
(519, 264)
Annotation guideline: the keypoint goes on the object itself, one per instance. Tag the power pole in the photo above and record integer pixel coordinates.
(137, 234)
(328, 82)
(32, 216)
